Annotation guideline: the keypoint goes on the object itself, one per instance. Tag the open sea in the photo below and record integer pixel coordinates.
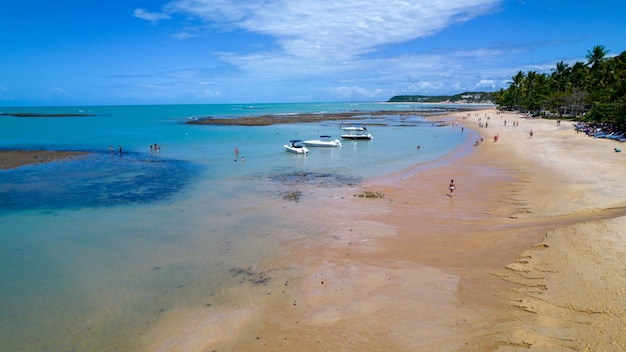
(95, 251)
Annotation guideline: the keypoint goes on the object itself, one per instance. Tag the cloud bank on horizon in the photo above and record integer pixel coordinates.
(221, 51)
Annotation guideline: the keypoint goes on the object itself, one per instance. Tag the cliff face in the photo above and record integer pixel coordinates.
(467, 97)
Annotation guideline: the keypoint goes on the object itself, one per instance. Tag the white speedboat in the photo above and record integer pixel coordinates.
(356, 132)
(324, 141)
(295, 146)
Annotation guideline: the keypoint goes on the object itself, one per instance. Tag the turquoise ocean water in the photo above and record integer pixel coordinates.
(95, 251)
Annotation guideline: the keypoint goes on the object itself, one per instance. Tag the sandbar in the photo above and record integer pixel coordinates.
(10, 159)
(527, 254)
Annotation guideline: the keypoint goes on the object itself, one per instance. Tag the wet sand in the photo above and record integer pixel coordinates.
(10, 159)
(527, 253)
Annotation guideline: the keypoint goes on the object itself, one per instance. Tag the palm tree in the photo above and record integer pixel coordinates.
(580, 75)
(560, 74)
(619, 74)
(516, 86)
(596, 56)
(530, 85)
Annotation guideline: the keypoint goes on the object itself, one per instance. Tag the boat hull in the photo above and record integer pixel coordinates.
(357, 136)
(296, 150)
(316, 143)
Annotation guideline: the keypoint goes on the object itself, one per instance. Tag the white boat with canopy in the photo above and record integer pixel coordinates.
(295, 146)
(323, 141)
(356, 133)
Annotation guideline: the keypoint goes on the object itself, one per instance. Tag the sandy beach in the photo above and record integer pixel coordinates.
(527, 254)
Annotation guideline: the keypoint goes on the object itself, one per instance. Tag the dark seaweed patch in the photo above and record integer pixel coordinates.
(315, 178)
(251, 276)
(293, 196)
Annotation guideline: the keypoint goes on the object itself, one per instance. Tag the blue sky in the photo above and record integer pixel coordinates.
(87, 52)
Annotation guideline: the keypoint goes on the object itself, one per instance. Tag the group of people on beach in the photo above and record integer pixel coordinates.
(155, 148)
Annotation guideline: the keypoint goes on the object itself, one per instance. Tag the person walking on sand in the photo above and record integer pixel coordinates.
(452, 187)
(531, 133)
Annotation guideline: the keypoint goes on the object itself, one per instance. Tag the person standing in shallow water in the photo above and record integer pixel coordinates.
(452, 187)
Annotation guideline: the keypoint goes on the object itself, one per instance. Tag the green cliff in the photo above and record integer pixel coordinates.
(467, 98)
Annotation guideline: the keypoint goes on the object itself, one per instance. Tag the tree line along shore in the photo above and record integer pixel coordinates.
(593, 91)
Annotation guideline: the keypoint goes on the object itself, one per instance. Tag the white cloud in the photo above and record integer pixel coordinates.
(153, 87)
(423, 87)
(356, 92)
(348, 28)
(331, 30)
(150, 16)
(184, 35)
(488, 84)
(333, 44)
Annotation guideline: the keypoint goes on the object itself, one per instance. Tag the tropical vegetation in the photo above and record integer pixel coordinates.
(593, 91)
